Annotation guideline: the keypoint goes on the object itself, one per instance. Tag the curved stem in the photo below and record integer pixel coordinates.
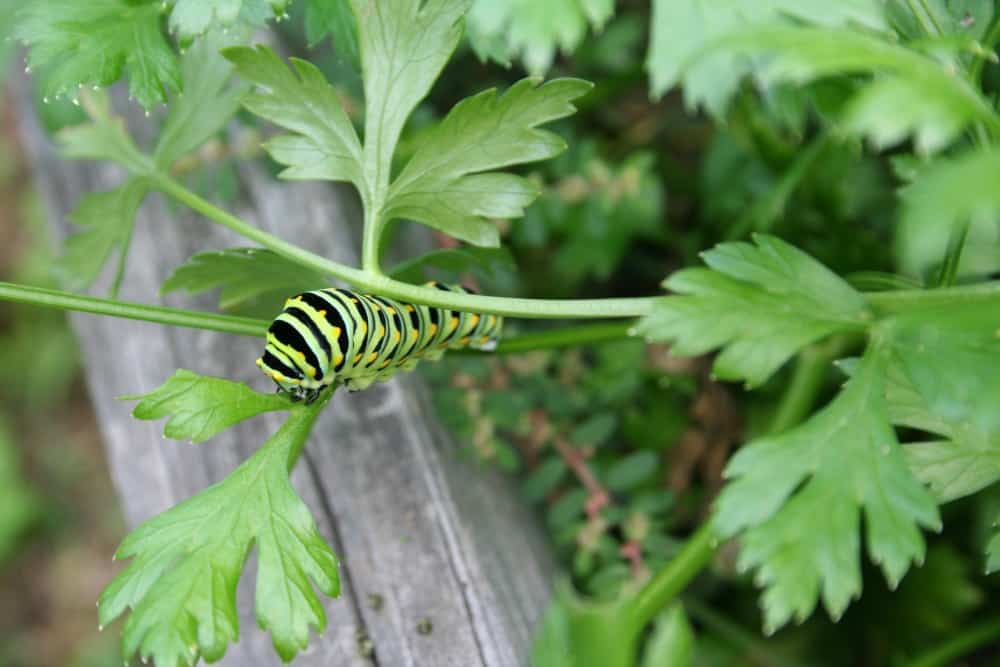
(990, 39)
(953, 257)
(965, 642)
(380, 284)
(672, 579)
(38, 296)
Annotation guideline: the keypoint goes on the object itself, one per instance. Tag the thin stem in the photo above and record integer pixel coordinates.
(379, 284)
(370, 241)
(116, 283)
(937, 26)
(562, 337)
(38, 296)
(672, 579)
(928, 29)
(955, 647)
(900, 300)
(811, 368)
(953, 257)
(990, 39)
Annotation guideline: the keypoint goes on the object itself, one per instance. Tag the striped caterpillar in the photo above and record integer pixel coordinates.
(335, 336)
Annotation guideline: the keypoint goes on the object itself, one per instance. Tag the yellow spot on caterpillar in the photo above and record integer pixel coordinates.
(260, 362)
(454, 322)
(354, 300)
(381, 332)
(278, 376)
(357, 358)
(464, 341)
(301, 356)
(434, 329)
(409, 308)
(386, 363)
(414, 333)
(396, 339)
(363, 327)
(491, 320)
(372, 357)
(484, 339)
(474, 318)
(374, 305)
(391, 311)
(311, 372)
(339, 358)
(335, 331)
(322, 313)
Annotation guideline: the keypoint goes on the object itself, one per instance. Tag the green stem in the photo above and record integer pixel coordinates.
(900, 300)
(928, 29)
(39, 296)
(370, 241)
(380, 284)
(937, 26)
(672, 579)
(990, 39)
(811, 368)
(561, 337)
(956, 244)
(965, 642)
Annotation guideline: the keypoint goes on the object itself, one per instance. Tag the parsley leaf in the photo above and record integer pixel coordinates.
(244, 274)
(443, 185)
(672, 642)
(107, 219)
(205, 107)
(92, 43)
(181, 583)
(500, 30)
(944, 195)
(942, 382)
(796, 500)
(200, 407)
(760, 303)
(191, 18)
(404, 45)
(325, 145)
(683, 28)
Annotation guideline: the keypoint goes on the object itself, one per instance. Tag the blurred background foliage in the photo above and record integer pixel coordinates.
(619, 446)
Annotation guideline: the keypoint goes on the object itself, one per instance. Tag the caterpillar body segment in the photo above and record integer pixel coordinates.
(335, 336)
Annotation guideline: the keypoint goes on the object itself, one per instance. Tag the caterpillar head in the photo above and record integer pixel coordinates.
(289, 381)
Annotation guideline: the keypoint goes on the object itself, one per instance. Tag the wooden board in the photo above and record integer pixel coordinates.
(434, 536)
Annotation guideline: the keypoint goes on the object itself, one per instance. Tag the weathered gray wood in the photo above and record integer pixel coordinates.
(434, 536)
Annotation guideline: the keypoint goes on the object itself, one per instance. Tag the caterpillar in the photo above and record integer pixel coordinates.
(335, 336)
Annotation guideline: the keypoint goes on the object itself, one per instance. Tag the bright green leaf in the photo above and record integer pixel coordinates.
(243, 274)
(404, 45)
(948, 193)
(191, 18)
(672, 641)
(199, 407)
(107, 219)
(500, 30)
(207, 104)
(186, 562)
(891, 109)
(92, 43)
(324, 144)
(796, 501)
(682, 29)
(759, 303)
(443, 185)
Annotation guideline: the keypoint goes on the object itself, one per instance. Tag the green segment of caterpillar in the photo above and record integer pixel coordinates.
(334, 336)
